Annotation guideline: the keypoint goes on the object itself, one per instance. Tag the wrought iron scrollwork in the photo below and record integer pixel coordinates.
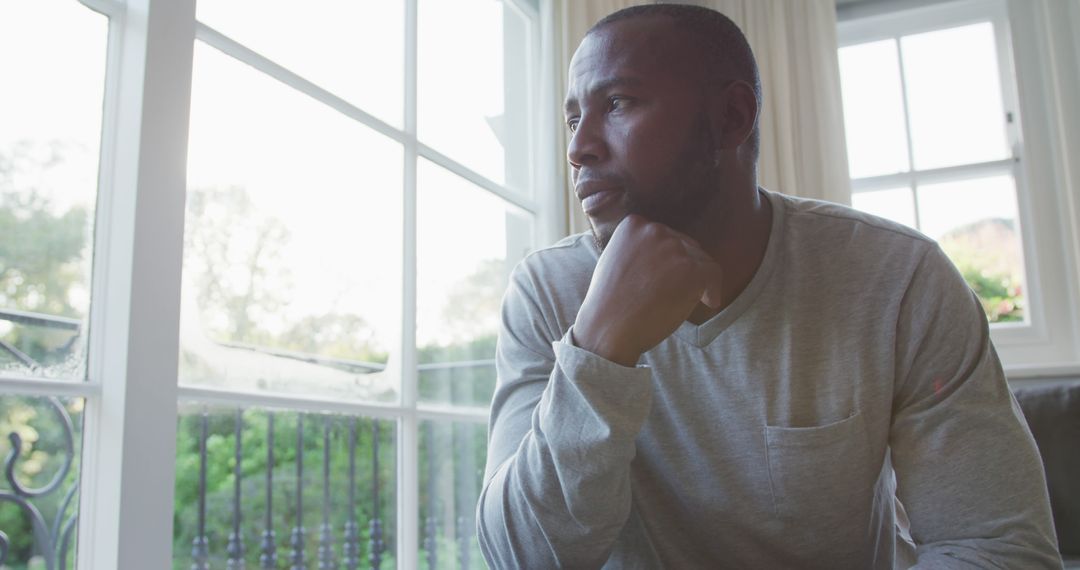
(52, 540)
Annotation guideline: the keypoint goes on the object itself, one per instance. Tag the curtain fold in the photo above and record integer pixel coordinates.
(803, 151)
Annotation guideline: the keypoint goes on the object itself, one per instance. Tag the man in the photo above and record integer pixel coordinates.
(721, 376)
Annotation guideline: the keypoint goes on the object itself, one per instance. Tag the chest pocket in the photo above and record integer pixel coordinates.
(823, 475)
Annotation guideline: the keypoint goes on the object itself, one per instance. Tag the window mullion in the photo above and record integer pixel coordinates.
(408, 481)
(914, 184)
(240, 52)
(37, 386)
(126, 502)
(904, 98)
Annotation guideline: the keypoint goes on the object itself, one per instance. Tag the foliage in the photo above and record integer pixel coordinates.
(43, 253)
(1000, 295)
(232, 256)
(230, 252)
(462, 385)
(472, 307)
(233, 260)
(255, 466)
(453, 454)
(987, 254)
(41, 457)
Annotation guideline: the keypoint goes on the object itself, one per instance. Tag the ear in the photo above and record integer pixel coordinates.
(733, 114)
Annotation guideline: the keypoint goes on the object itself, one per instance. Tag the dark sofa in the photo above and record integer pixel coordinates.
(1052, 410)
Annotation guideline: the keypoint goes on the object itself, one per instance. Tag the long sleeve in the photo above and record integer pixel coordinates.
(563, 423)
(968, 472)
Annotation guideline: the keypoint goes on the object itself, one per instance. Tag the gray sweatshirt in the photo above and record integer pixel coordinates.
(853, 377)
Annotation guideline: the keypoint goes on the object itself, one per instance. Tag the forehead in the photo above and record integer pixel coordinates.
(646, 48)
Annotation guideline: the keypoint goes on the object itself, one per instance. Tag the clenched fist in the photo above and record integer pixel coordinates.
(647, 282)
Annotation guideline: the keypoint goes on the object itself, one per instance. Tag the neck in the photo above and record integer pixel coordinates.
(735, 232)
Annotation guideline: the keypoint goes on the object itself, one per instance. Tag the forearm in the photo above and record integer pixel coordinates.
(562, 496)
(985, 504)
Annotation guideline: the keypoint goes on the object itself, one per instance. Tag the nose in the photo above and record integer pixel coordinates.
(587, 144)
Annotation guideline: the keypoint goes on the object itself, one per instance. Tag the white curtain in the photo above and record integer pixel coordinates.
(572, 19)
(803, 152)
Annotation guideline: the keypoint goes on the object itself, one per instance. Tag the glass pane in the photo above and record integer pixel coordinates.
(873, 109)
(41, 530)
(954, 96)
(53, 58)
(331, 480)
(976, 223)
(452, 457)
(473, 100)
(355, 50)
(896, 204)
(292, 261)
(468, 242)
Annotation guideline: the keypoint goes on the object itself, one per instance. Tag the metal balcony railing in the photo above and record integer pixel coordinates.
(351, 491)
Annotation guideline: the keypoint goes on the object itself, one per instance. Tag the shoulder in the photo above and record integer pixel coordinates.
(847, 242)
(567, 261)
(804, 215)
(547, 287)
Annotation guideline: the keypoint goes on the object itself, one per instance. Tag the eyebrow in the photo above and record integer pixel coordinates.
(602, 85)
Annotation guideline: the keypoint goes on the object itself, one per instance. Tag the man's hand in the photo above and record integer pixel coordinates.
(647, 282)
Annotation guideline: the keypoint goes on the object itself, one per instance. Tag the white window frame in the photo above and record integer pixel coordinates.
(127, 469)
(1046, 343)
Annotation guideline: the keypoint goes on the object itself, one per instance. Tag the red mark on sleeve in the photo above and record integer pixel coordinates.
(939, 384)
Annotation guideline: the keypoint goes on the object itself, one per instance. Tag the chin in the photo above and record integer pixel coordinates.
(603, 226)
(602, 231)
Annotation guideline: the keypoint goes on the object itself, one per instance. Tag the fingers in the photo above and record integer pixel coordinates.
(694, 250)
(708, 273)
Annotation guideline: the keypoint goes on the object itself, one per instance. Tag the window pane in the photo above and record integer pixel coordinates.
(53, 58)
(873, 109)
(352, 49)
(474, 96)
(954, 96)
(292, 262)
(337, 472)
(976, 223)
(468, 242)
(896, 204)
(49, 437)
(452, 457)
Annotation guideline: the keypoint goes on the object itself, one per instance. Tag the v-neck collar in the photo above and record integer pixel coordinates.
(703, 334)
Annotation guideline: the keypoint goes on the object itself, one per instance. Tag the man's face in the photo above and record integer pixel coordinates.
(640, 139)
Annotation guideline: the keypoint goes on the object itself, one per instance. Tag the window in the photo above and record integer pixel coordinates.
(932, 144)
(953, 128)
(49, 155)
(360, 180)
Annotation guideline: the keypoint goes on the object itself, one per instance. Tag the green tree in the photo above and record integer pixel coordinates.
(988, 255)
(234, 255)
(43, 254)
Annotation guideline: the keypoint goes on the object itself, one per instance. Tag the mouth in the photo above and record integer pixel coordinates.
(596, 202)
(596, 196)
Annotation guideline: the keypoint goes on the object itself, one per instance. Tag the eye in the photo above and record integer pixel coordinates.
(616, 102)
(572, 124)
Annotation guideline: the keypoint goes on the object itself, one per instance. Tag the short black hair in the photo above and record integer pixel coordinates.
(725, 51)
